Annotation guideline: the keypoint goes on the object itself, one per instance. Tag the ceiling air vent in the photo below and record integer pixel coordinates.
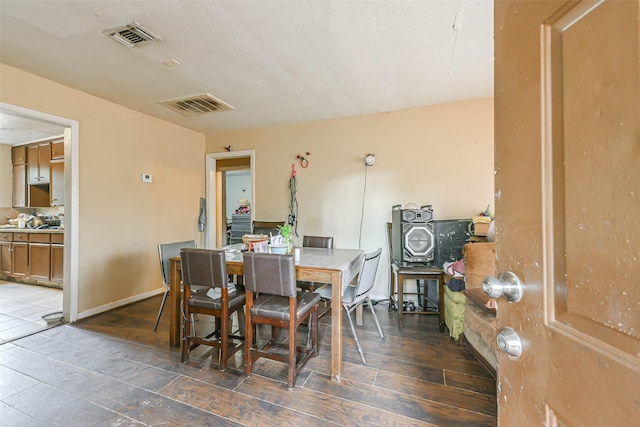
(197, 105)
(133, 35)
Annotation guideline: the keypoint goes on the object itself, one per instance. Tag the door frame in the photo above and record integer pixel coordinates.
(211, 190)
(71, 205)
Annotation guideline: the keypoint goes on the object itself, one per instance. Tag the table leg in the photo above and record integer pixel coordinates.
(400, 302)
(174, 305)
(336, 326)
(441, 302)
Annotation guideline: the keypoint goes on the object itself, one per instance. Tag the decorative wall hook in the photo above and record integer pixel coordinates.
(228, 148)
(304, 161)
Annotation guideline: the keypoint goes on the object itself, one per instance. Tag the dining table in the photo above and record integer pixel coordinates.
(336, 267)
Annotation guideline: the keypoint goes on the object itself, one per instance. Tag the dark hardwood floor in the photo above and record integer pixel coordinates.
(112, 369)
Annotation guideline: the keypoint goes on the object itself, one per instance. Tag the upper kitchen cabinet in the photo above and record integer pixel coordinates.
(38, 160)
(57, 149)
(56, 189)
(19, 160)
(19, 186)
(19, 155)
(38, 174)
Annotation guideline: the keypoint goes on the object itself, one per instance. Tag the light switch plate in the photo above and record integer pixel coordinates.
(146, 177)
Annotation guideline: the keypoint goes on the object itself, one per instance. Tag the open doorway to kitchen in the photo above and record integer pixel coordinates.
(218, 166)
(70, 246)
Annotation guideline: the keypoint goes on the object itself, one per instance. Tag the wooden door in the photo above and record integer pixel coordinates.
(567, 147)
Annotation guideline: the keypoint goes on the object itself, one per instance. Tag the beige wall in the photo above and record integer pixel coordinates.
(439, 155)
(121, 220)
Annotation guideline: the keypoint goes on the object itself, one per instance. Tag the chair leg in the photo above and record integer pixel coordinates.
(193, 324)
(224, 341)
(164, 300)
(291, 377)
(186, 345)
(375, 317)
(250, 333)
(315, 319)
(392, 289)
(353, 330)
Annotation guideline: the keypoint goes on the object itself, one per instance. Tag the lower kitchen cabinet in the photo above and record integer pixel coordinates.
(32, 257)
(20, 259)
(5, 257)
(57, 258)
(39, 261)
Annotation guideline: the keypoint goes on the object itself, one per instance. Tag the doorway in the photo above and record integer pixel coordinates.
(217, 164)
(71, 185)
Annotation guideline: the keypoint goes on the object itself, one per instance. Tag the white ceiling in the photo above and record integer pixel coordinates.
(275, 62)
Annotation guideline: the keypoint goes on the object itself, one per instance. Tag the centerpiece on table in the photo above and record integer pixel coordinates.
(282, 243)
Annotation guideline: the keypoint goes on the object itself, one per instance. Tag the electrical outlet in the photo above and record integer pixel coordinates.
(146, 177)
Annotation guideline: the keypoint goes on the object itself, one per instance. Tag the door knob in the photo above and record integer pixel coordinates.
(508, 285)
(509, 342)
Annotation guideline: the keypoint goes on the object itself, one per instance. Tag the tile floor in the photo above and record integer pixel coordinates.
(22, 307)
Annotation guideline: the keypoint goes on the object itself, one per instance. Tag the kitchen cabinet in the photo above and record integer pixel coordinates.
(19, 258)
(19, 186)
(6, 240)
(38, 174)
(38, 159)
(32, 257)
(19, 162)
(19, 155)
(57, 149)
(39, 256)
(57, 258)
(56, 187)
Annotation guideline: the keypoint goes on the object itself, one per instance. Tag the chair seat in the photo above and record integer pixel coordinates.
(201, 300)
(348, 296)
(277, 307)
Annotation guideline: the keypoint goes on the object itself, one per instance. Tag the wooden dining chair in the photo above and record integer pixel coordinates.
(314, 242)
(208, 268)
(267, 227)
(272, 299)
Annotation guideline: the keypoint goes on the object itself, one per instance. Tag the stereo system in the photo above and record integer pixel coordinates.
(412, 235)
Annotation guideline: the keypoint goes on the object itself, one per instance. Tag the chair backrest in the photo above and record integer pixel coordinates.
(367, 276)
(267, 227)
(204, 267)
(317, 242)
(270, 273)
(166, 251)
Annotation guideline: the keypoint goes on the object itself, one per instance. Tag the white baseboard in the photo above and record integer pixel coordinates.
(116, 304)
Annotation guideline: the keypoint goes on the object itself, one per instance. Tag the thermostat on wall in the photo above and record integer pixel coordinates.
(146, 177)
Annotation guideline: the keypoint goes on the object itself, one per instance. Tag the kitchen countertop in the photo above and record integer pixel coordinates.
(30, 230)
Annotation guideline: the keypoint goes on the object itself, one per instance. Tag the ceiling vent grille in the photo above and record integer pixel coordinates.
(197, 105)
(133, 35)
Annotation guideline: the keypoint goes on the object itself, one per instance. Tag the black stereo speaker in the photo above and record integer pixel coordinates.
(412, 235)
